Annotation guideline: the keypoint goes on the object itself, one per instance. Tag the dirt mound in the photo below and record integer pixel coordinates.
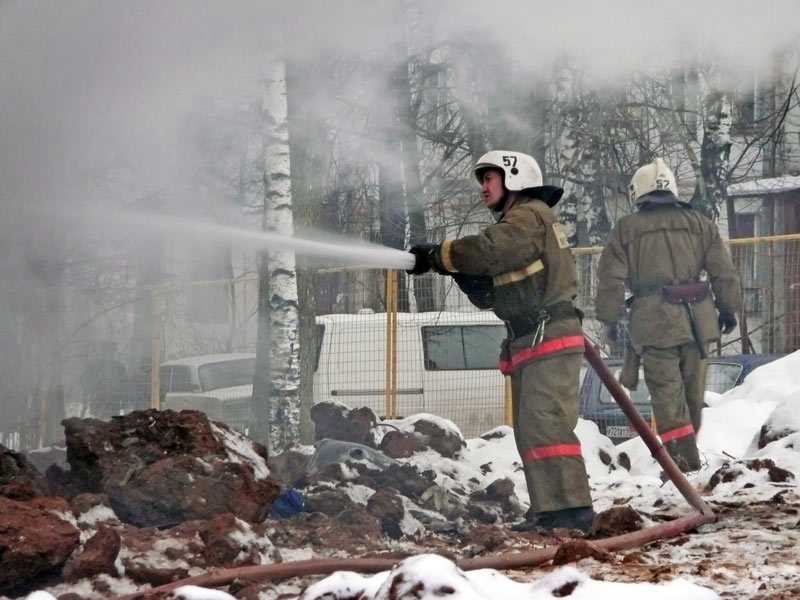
(157, 497)
(19, 479)
(146, 469)
(36, 539)
(159, 468)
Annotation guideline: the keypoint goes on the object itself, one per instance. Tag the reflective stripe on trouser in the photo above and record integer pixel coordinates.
(544, 396)
(675, 378)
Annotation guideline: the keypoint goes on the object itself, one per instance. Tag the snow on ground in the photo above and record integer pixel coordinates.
(753, 546)
(746, 556)
(240, 450)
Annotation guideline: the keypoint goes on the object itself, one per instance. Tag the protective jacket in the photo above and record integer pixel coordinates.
(664, 245)
(520, 267)
(662, 253)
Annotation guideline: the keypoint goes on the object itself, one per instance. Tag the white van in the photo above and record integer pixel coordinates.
(447, 365)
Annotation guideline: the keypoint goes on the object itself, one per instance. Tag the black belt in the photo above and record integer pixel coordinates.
(658, 288)
(524, 324)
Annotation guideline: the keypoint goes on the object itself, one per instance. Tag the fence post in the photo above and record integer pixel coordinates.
(391, 344)
(793, 319)
(509, 415)
(155, 349)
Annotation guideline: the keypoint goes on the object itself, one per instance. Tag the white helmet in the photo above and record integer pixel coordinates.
(653, 177)
(521, 172)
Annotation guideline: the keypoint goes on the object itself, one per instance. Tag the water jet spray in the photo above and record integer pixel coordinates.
(348, 252)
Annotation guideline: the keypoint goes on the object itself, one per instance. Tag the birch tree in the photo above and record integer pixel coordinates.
(275, 409)
(711, 184)
(580, 124)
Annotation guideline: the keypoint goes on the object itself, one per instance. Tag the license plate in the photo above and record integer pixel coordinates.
(619, 431)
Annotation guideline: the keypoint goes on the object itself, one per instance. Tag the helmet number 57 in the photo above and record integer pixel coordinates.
(510, 161)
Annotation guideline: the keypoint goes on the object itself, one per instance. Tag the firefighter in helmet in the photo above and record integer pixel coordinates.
(521, 267)
(684, 289)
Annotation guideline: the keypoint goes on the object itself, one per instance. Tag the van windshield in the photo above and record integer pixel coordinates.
(721, 377)
(229, 373)
(462, 347)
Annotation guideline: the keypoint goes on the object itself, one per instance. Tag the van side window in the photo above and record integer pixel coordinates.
(461, 347)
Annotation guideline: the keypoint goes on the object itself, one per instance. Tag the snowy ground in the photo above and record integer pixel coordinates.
(751, 551)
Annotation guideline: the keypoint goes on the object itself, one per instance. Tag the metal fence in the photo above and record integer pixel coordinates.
(770, 271)
(403, 345)
(440, 360)
(398, 344)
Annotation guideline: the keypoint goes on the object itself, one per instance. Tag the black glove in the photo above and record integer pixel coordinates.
(609, 334)
(423, 254)
(727, 322)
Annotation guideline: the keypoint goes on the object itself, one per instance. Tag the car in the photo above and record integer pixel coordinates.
(220, 385)
(597, 405)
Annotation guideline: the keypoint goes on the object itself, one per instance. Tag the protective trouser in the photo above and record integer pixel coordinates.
(544, 396)
(675, 378)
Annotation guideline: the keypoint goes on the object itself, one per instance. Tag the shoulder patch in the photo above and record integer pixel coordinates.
(561, 236)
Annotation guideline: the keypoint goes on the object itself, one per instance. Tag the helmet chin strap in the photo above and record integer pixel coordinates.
(501, 204)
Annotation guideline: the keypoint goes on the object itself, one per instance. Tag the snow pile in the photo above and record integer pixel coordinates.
(431, 576)
(240, 450)
(733, 422)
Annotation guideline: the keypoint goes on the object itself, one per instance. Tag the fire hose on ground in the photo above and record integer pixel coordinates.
(510, 560)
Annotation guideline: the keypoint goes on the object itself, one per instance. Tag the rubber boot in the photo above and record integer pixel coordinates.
(579, 518)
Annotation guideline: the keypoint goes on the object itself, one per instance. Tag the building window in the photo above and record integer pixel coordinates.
(748, 262)
(745, 225)
(748, 107)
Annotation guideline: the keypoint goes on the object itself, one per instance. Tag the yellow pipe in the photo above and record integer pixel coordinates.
(509, 415)
(788, 237)
(155, 350)
(766, 238)
(391, 344)
(393, 389)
